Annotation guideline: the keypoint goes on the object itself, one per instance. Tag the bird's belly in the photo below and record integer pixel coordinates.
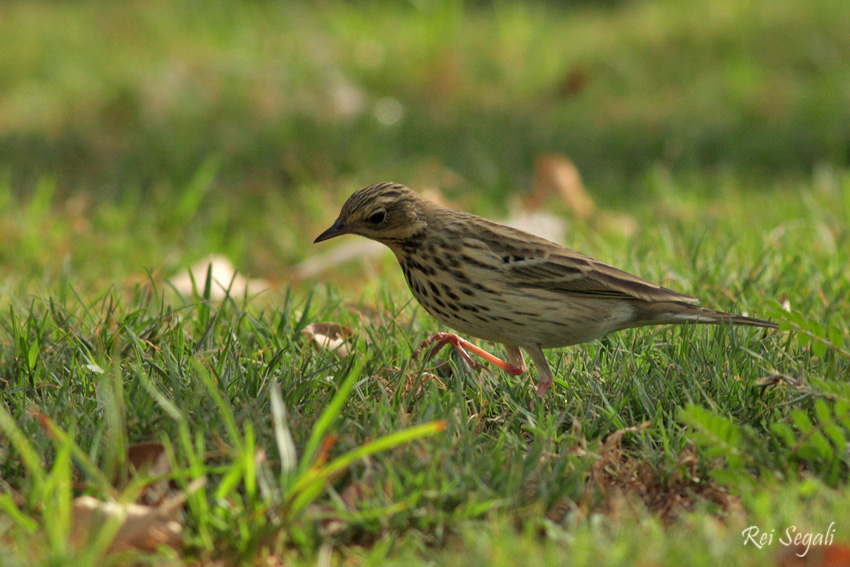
(517, 317)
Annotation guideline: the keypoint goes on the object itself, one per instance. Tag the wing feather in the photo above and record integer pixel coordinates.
(529, 261)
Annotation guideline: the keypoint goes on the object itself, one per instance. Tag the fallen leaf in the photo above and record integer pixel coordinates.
(150, 459)
(542, 224)
(329, 336)
(141, 527)
(225, 280)
(557, 176)
(573, 82)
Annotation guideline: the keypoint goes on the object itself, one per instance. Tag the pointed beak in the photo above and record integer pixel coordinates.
(336, 229)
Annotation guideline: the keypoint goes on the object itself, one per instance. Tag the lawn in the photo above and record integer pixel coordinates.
(138, 138)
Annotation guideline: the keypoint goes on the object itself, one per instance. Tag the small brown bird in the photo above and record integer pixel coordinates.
(507, 286)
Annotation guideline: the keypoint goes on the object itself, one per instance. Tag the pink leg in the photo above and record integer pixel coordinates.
(543, 370)
(461, 346)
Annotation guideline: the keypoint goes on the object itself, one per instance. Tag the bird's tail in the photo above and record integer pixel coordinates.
(674, 312)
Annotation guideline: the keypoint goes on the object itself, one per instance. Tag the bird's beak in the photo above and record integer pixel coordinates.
(336, 229)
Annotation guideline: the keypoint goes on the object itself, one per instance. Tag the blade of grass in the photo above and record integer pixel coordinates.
(312, 482)
(330, 415)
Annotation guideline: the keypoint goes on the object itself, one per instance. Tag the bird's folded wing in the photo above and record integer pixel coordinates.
(547, 266)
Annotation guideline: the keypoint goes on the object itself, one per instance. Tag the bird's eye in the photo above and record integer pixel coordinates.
(378, 217)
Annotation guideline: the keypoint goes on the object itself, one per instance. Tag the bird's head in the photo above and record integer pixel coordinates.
(386, 212)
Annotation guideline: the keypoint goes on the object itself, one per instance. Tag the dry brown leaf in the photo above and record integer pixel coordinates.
(150, 459)
(329, 336)
(542, 224)
(573, 82)
(141, 527)
(225, 279)
(619, 482)
(557, 176)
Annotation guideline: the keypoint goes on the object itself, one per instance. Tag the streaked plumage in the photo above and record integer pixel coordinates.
(507, 286)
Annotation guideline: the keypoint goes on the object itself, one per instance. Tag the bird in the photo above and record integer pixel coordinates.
(503, 285)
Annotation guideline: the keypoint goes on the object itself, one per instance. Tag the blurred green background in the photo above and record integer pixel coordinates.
(239, 127)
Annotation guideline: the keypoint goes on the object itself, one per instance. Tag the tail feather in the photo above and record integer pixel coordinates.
(674, 312)
(753, 322)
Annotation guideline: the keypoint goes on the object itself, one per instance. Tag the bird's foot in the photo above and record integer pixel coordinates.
(543, 386)
(545, 378)
(461, 346)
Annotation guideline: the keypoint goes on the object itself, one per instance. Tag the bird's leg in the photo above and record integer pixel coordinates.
(515, 358)
(462, 345)
(545, 380)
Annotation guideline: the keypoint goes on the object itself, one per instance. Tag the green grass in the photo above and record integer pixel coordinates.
(140, 94)
(707, 451)
(137, 138)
